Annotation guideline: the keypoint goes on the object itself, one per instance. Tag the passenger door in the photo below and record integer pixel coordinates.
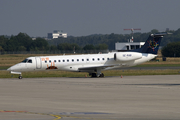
(38, 63)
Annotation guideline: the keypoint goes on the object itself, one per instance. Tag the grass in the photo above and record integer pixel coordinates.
(9, 60)
(4, 67)
(158, 65)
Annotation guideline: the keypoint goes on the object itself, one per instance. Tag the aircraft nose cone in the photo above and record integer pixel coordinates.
(14, 67)
(9, 69)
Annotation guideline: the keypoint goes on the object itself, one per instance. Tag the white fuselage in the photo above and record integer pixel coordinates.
(81, 63)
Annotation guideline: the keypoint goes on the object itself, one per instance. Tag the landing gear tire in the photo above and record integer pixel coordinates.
(101, 75)
(93, 75)
(20, 77)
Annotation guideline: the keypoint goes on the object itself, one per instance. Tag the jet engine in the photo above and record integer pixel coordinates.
(127, 56)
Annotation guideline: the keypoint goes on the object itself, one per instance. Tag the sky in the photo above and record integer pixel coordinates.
(85, 17)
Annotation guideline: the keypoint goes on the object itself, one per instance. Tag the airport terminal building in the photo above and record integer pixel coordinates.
(128, 45)
(56, 34)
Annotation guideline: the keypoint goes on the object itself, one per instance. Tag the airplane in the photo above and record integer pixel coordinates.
(91, 63)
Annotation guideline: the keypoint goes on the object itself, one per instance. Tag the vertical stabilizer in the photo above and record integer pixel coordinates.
(151, 45)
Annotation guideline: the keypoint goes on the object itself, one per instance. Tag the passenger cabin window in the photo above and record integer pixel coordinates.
(59, 60)
(98, 59)
(67, 60)
(102, 58)
(78, 60)
(82, 59)
(93, 59)
(54, 60)
(87, 59)
(63, 60)
(107, 58)
(49, 61)
(72, 60)
(45, 61)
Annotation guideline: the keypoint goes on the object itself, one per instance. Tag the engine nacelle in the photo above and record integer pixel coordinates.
(127, 56)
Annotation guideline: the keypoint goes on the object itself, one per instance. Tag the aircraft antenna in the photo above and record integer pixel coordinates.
(132, 32)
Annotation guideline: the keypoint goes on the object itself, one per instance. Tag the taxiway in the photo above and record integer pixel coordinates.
(109, 98)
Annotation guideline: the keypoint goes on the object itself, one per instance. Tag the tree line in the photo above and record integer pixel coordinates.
(96, 42)
(23, 42)
(111, 39)
(171, 50)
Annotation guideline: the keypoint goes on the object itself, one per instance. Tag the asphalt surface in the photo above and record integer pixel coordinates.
(109, 98)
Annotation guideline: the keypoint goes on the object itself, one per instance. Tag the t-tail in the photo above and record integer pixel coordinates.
(152, 44)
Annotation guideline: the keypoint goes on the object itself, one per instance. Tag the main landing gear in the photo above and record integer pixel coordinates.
(96, 75)
(101, 75)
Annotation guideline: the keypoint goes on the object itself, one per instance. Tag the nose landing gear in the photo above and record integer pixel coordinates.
(20, 76)
(18, 73)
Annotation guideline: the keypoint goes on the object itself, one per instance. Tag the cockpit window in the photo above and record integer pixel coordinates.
(24, 61)
(29, 61)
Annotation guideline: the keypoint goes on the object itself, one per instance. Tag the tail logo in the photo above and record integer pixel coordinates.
(153, 44)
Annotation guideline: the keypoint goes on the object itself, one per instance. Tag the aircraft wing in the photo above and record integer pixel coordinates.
(96, 67)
